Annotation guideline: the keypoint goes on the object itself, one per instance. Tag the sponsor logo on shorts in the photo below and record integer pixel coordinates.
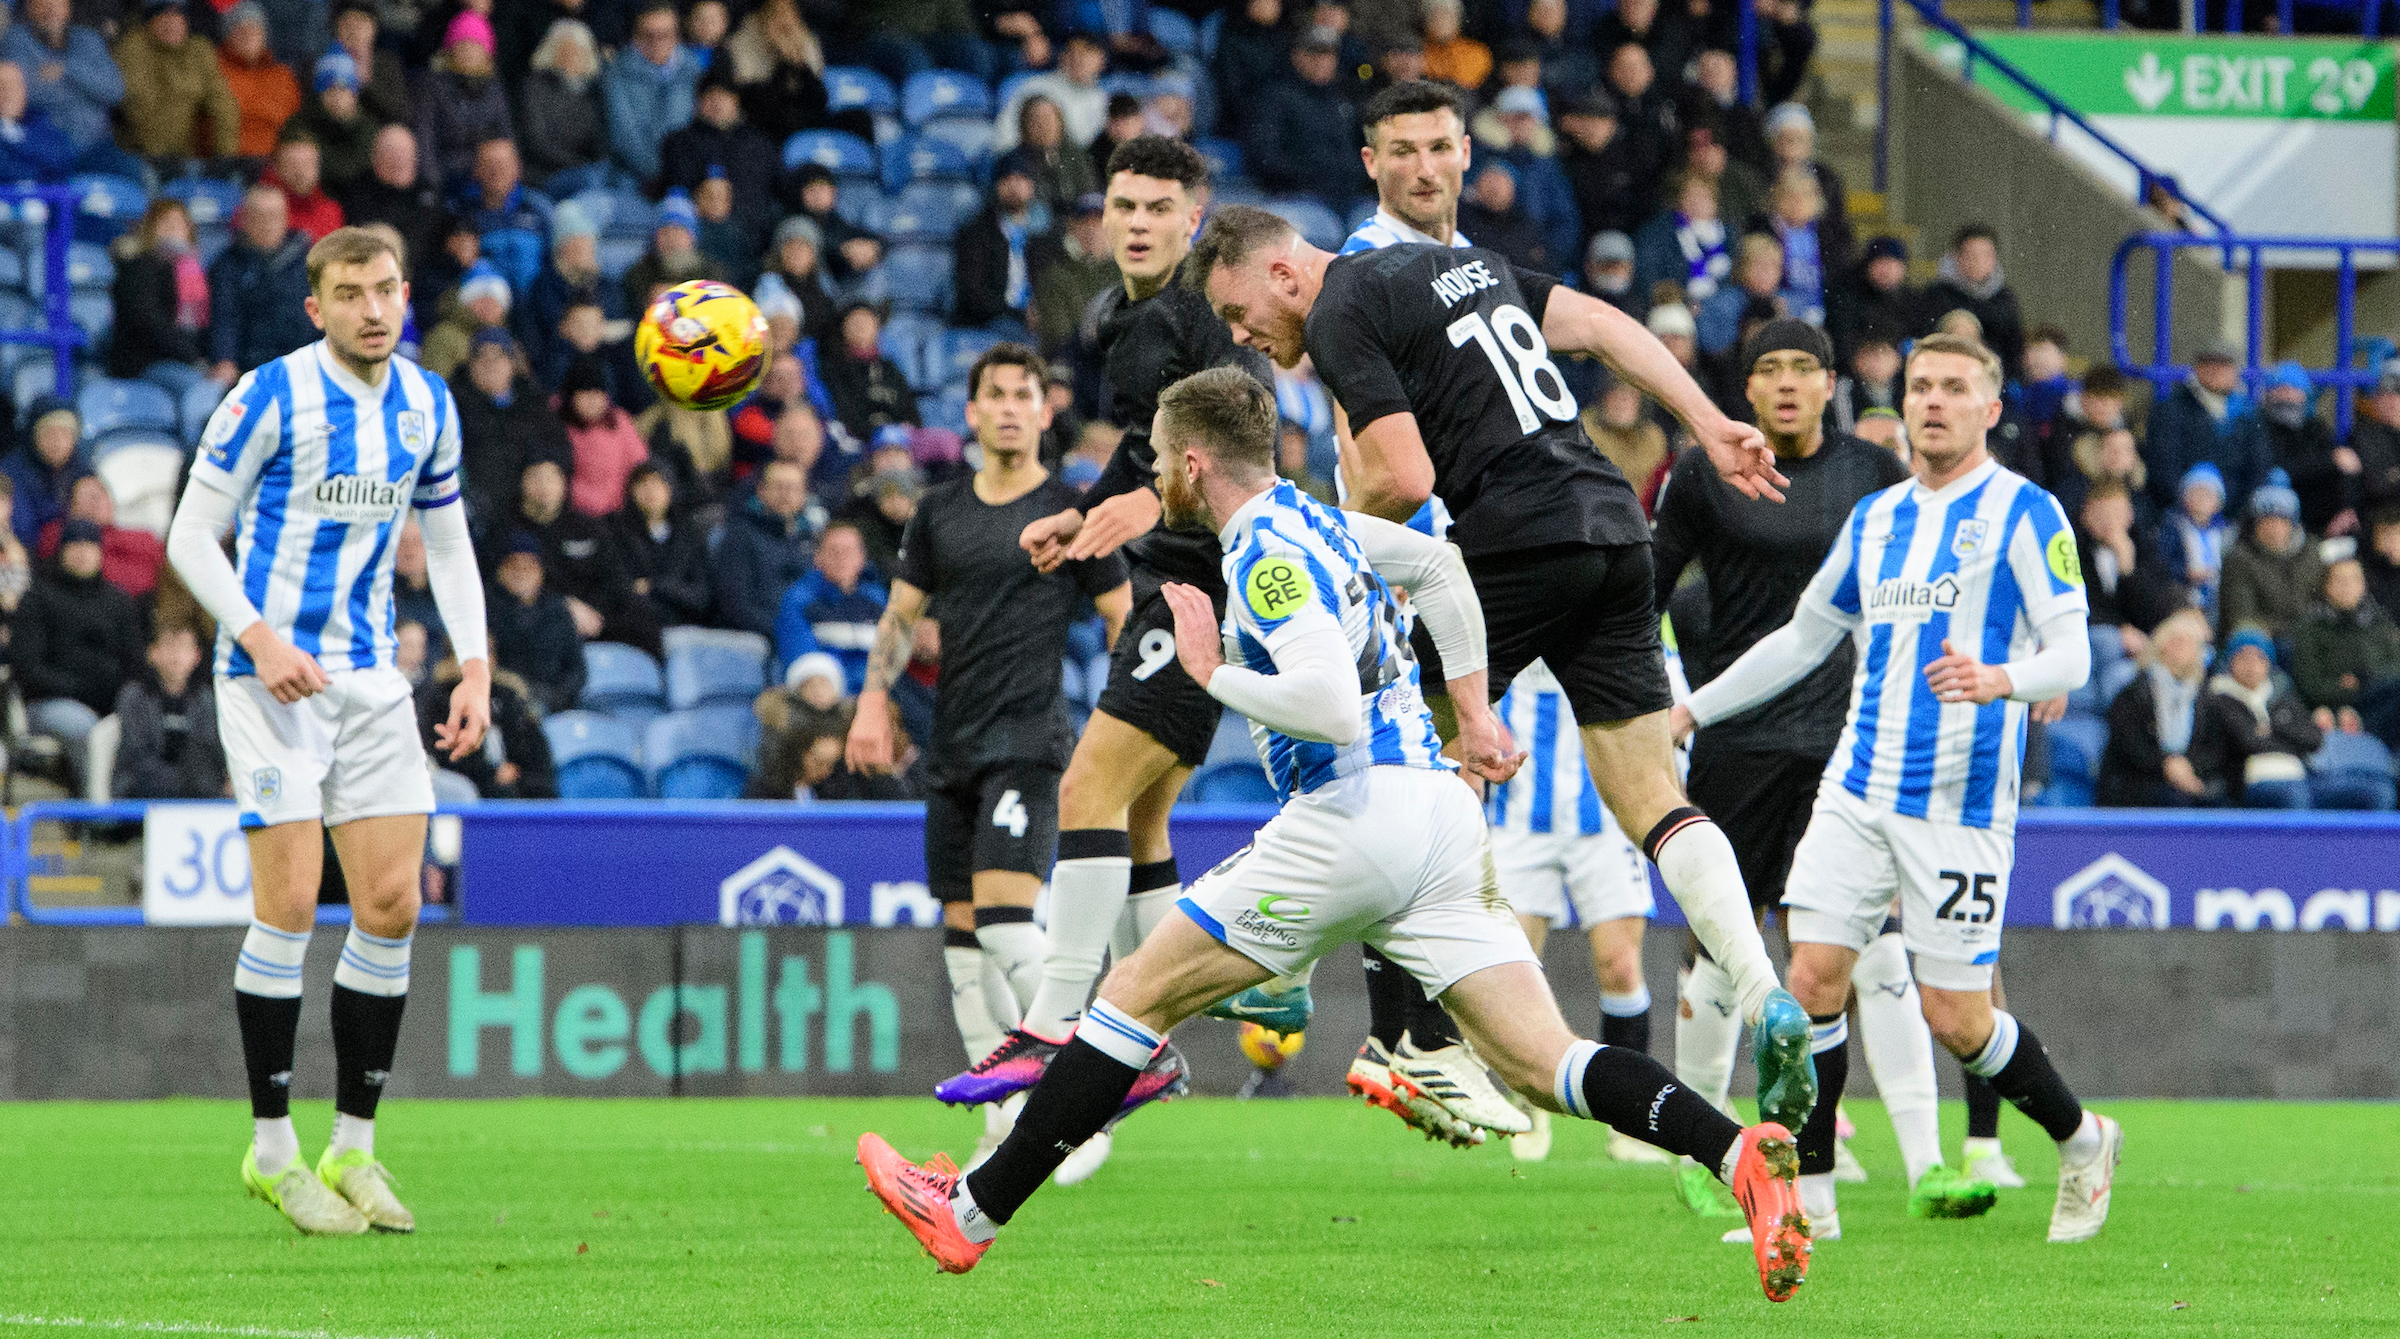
(268, 782)
(1265, 929)
(1289, 910)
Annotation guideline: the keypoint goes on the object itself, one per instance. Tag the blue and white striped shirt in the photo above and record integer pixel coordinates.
(1384, 228)
(1291, 564)
(1982, 562)
(1553, 791)
(324, 469)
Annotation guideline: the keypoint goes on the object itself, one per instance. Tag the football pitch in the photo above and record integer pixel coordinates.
(746, 1217)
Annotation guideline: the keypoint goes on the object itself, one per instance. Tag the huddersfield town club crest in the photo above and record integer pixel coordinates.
(268, 782)
(413, 431)
(1969, 536)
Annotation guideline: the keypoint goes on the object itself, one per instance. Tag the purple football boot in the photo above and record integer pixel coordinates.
(1015, 1065)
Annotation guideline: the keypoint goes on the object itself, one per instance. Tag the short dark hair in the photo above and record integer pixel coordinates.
(347, 246)
(1410, 97)
(2104, 380)
(1163, 158)
(1006, 355)
(2048, 334)
(1969, 232)
(1226, 413)
(1231, 234)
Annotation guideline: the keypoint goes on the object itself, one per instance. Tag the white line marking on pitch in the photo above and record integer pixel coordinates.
(175, 1327)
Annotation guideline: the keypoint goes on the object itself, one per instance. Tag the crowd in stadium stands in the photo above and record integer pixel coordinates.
(681, 602)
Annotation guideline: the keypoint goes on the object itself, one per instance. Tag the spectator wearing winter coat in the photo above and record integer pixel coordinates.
(2166, 747)
(31, 148)
(168, 747)
(464, 105)
(482, 303)
(1599, 167)
(1450, 55)
(674, 256)
(514, 762)
(769, 544)
(504, 421)
(263, 87)
(2346, 653)
(172, 85)
(834, 608)
(649, 88)
(1568, 67)
(2199, 422)
(1792, 137)
(70, 76)
(607, 448)
(511, 220)
(719, 142)
(2266, 722)
(258, 289)
(1687, 244)
(1303, 131)
(1062, 173)
(1493, 213)
(335, 121)
(533, 634)
(566, 127)
(994, 275)
(130, 560)
(295, 170)
(662, 547)
(868, 389)
(1073, 86)
(580, 561)
(1656, 28)
(778, 65)
(2303, 448)
(2274, 573)
(2375, 442)
(382, 82)
(44, 468)
(1520, 136)
(395, 192)
(1971, 278)
(2380, 556)
(2122, 574)
(2195, 535)
(1874, 299)
(795, 266)
(75, 642)
(160, 296)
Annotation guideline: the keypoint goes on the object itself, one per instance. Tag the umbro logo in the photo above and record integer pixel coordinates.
(375, 1077)
(1896, 989)
(281, 1078)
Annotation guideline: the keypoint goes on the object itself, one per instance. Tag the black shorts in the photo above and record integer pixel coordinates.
(1001, 816)
(1761, 801)
(1586, 612)
(1147, 688)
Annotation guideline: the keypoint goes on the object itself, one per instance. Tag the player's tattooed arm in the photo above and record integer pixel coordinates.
(870, 747)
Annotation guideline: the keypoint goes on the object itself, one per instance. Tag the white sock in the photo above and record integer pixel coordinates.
(1981, 1148)
(276, 1143)
(967, 1003)
(269, 963)
(1142, 913)
(1015, 947)
(1633, 1005)
(1817, 1197)
(2083, 1145)
(1086, 896)
(1708, 1032)
(970, 1219)
(999, 999)
(351, 1132)
(1118, 1035)
(373, 965)
(1899, 1046)
(1700, 869)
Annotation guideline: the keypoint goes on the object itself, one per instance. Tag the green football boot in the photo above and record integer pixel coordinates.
(313, 1207)
(358, 1178)
(1943, 1193)
(1787, 1073)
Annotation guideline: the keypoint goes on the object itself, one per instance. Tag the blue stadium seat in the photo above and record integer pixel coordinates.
(141, 470)
(193, 411)
(960, 349)
(1132, 85)
(702, 754)
(110, 206)
(972, 137)
(598, 757)
(152, 440)
(846, 156)
(936, 94)
(212, 203)
(1224, 159)
(919, 277)
(12, 271)
(947, 410)
(930, 211)
(89, 266)
(708, 667)
(1230, 783)
(1070, 682)
(1321, 226)
(2076, 743)
(917, 158)
(1174, 31)
(94, 314)
(2352, 772)
(1009, 87)
(617, 677)
(861, 203)
(909, 338)
(1095, 676)
(1211, 28)
(33, 380)
(848, 86)
(106, 404)
(1088, 637)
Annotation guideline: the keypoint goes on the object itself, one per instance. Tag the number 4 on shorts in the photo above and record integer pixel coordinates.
(1010, 813)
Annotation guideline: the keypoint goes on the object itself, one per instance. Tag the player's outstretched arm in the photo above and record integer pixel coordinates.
(1444, 595)
(458, 594)
(1394, 473)
(1577, 323)
(195, 545)
(870, 747)
(1045, 540)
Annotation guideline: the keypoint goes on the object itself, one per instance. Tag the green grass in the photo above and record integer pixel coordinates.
(577, 1217)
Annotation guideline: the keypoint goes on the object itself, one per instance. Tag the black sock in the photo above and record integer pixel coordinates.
(1083, 1088)
(1815, 1138)
(1152, 876)
(1983, 1109)
(1389, 988)
(953, 937)
(1631, 1032)
(1633, 1094)
(366, 1030)
(269, 1029)
(2029, 1080)
(1429, 1024)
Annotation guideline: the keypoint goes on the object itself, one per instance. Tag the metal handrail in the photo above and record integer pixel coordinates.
(60, 335)
(2163, 372)
(1930, 13)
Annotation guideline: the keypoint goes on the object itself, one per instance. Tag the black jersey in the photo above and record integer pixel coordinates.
(1758, 556)
(1004, 625)
(1453, 335)
(1147, 346)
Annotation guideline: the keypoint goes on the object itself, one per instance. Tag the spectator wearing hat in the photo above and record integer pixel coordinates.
(573, 272)
(129, 559)
(795, 268)
(2266, 722)
(294, 170)
(1608, 273)
(160, 296)
(1491, 212)
(770, 542)
(167, 746)
(172, 85)
(868, 389)
(2168, 747)
(2199, 423)
(263, 87)
(533, 634)
(382, 82)
(463, 105)
(664, 550)
(395, 192)
(503, 420)
(674, 256)
(882, 504)
(834, 608)
(483, 301)
(1075, 268)
(44, 468)
(649, 88)
(75, 642)
(1971, 280)
(2303, 448)
(847, 252)
(1062, 173)
(1654, 27)
(2274, 571)
(1672, 324)
(258, 289)
(1601, 172)
(1517, 132)
(602, 435)
(1303, 135)
(994, 275)
(719, 138)
(2374, 458)
(335, 121)
(1687, 244)
(70, 77)
(580, 561)
(31, 148)
(2346, 657)
(565, 139)
(1874, 299)
(1073, 88)
(2195, 535)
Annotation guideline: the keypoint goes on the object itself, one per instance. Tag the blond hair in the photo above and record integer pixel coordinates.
(1963, 347)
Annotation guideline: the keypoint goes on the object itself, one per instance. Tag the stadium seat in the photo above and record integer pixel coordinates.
(702, 754)
(2076, 743)
(938, 94)
(598, 757)
(930, 211)
(450, 788)
(1070, 682)
(1175, 31)
(193, 412)
(970, 137)
(910, 339)
(2352, 772)
(622, 681)
(1127, 83)
(95, 314)
(707, 667)
(106, 404)
(212, 203)
(141, 478)
(947, 410)
(862, 204)
(1230, 783)
(90, 267)
(1224, 159)
(959, 350)
(12, 271)
(846, 156)
(848, 86)
(109, 208)
(1321, 226)
(919, 159)
(1009, 87)
(919, 277)
(33, 380)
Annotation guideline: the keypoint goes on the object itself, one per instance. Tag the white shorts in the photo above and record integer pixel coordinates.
(1567, 878)
(349, 752)
(1952, 882)
(1394, 857)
